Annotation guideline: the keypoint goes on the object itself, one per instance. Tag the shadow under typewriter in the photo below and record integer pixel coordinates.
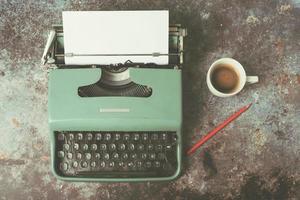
(116, 154)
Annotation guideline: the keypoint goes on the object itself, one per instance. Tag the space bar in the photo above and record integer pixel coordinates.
(116, 173)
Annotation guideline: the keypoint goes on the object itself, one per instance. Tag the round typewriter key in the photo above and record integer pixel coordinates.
(64, 166)
(94, 147)
(106, 156)
(60, 137)
(61, 154)
(93, 164)
(168, 147)
(98, 136)
(150, 147)
(102, 164)
(88, 156)
(102, 147)
(75, 164)
(78, 156)
(164, 136)
(117, 136)
(131, 147)
(121, 147)
(124, 156)
(133, 156)
(130, 164)
(76, 146)
(71, 136)
(136, 137)
(157, 164)
(79, 136)
(66, 146)
(107, 136)
(152, 156)
(84, 164)
(112, 147)
(89, 136)
(69, 155)
(85, 147)
(97, 156)
(145, 136)
(174, 138)
(111, 164)
(140, 147)
(126, 137)
(121, 164)
(115, 155)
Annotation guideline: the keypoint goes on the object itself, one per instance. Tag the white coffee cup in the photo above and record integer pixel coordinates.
(240, 72)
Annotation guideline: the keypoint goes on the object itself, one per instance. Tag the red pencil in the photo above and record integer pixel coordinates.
(220, 127)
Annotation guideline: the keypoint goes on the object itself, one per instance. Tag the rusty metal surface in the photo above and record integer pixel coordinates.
(256, 157)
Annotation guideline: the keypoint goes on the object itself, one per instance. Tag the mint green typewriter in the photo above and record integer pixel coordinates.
(115, 122)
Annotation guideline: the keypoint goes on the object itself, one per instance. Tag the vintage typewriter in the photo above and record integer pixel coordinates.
(119, 122)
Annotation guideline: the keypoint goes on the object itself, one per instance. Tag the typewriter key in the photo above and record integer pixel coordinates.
(107, 136)
(125, 156)
(85, 147)
(60, 137)
(133, 156)
(84, 164)
(106, 156)
(126, 137)
(140, 147)
(89, 136)
(79, 136)
(76, 146)
(75, 164)
(98, 136)
(117, 136)
(61, 154)
(102, 164)
(64, 166)
(78, 156)
(121, 147)
(94, 147)
(115, 155)
(97, 156)
(88, 156)
(102, 147)
(131, 147)
(112, 147)
(69, 155)
(93, 164)
(136, 137)
(66, 146)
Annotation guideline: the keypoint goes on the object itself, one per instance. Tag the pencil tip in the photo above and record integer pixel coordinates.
(249, 105)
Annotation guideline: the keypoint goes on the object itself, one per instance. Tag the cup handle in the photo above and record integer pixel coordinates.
(251, 79)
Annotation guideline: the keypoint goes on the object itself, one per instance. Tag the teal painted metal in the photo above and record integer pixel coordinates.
(161, 111)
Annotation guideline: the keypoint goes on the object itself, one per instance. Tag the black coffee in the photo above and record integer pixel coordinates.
(224, 79)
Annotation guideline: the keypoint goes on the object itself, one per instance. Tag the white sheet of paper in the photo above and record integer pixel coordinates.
(116, 32)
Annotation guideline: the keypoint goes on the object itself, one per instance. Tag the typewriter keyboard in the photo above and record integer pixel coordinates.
(115, 154)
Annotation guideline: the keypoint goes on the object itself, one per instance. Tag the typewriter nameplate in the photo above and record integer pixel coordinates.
(114, 110)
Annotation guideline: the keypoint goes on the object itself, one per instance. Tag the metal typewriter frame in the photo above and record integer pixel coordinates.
(54, 51)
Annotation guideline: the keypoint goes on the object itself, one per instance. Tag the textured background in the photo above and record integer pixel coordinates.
(256, 157)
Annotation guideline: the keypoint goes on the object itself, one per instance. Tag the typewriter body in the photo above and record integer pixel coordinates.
(115, 122)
